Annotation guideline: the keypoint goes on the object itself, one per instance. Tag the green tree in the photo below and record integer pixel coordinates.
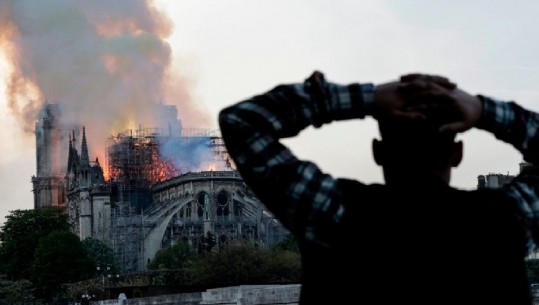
(209, 241)
(20, 235)
(178, 256)
(13, 291)
(288, 243)
(101, 254)
(242, 263)
(533, 270)
(60, 258)
(236, 264)
(283, 267)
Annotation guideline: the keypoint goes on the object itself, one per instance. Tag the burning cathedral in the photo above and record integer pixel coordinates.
(156, 186)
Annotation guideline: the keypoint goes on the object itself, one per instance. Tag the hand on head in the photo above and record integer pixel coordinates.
(435, 94)
(427, 97)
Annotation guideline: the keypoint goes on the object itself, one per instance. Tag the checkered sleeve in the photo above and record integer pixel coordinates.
(515, 125)
(297, 192)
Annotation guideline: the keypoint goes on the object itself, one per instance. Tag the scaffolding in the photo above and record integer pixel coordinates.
(127, 235)
(134, 159)
(133, 165)
(214, 140)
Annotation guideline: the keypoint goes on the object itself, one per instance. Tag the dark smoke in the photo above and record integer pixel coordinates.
(105, 62)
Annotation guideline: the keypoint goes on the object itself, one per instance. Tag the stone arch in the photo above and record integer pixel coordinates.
(154, 236)
(223, 199)
(204, 209)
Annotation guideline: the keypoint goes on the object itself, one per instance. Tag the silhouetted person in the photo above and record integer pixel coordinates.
(414, 240)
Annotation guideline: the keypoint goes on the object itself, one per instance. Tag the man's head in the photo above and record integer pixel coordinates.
(415, 147)
(418, 118)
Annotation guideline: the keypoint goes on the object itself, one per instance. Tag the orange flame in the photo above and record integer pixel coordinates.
(138, 162)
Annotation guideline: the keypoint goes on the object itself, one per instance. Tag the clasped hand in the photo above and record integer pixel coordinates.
(427, 97)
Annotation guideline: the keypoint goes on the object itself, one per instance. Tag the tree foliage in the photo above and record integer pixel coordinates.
(533, 270)
(20, 235)
(238, 264)
(101, 254)
(283, 267)
(60, 258)
(242, 263)
(207, 243)
(20, 290)
(178, 256)
(288, 243)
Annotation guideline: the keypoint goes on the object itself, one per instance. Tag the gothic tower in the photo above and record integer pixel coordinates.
(88, 197)
(84, 189)
(48, 184)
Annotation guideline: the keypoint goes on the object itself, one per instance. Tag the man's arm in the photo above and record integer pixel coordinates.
(515, 125)
(303, 198)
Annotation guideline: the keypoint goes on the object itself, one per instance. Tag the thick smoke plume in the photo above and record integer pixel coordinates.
(105, 62)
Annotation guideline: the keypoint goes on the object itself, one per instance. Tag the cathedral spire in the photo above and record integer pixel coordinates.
(70, 154)
(85, 159)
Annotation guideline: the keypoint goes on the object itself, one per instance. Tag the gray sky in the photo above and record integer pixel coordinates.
(230, 50)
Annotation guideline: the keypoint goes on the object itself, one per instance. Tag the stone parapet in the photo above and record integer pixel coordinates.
(168, 299)
(252, 295)
(235, 295)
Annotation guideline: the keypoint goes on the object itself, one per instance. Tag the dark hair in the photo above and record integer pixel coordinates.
(416, 143)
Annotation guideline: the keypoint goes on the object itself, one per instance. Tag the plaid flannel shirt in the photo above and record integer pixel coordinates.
(306, 200)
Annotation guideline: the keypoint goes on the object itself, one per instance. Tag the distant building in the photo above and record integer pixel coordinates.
(493, 180)
(496, 180)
